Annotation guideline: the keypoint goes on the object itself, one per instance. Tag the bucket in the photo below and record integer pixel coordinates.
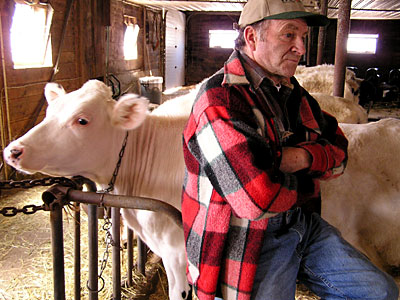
(151, 87)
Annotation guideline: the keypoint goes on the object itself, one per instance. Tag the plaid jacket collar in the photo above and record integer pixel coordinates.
(239, 64)
(234, 73)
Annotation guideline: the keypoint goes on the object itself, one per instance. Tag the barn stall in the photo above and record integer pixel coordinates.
(156, 48)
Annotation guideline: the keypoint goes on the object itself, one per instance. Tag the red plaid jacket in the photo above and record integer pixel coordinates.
(232, 148)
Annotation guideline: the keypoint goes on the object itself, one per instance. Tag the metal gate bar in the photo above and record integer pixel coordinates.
(93, 284)
(142, 253)
(58, 252)
(116, 257)
(58, 195)
(129, 248)
(77, 252)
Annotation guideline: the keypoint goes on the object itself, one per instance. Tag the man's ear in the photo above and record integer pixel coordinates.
(250, 36)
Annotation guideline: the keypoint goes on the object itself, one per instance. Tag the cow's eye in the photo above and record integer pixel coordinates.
(82, 121)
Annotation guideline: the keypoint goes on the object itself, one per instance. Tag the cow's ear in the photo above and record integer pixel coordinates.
(53, 90)
(130, 111)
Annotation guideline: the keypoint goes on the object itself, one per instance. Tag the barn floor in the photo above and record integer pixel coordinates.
(384, 110)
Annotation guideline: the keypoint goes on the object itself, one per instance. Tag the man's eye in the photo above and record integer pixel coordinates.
(289, 36)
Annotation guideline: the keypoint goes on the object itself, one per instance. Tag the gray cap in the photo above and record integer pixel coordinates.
(257, 10)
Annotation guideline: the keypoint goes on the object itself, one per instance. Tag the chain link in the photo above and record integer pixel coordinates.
(116, 170)
(109, 242)
(30, 209)
(30, 183)
(27, 210)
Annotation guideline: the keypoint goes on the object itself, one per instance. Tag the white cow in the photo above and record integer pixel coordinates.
(319, 79)
(82, 134)
(83, 131)
(364, 203)
(344, 110)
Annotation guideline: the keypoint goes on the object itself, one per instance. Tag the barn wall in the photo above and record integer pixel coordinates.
(83, 56)
(202, 61)
(388, 51)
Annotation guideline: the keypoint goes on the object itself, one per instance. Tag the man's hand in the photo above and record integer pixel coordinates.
(294, 159)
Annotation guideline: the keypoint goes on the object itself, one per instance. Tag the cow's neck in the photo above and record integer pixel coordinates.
(152, 165)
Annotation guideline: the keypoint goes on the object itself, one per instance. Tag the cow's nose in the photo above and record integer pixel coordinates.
(16, 153)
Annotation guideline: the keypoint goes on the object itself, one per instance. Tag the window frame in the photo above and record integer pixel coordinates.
(365, 37)
(22, 35)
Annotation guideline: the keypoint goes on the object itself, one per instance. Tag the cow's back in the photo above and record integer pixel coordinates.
(364, 202)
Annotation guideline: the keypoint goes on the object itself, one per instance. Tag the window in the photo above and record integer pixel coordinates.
(362, 43)
(30, 36)
(130, 38)
(222, 38)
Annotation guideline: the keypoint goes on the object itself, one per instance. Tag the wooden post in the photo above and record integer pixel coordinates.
(343, 29)
(309, 45)
(322, 33)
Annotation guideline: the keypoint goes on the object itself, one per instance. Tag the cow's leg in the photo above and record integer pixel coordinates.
(166, 240)
(175, 267)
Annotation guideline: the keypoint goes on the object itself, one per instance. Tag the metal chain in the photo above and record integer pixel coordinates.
(116, 170)
(27, 209)
(30, 209)
(107, 222)
(109, 242)
(30, 183)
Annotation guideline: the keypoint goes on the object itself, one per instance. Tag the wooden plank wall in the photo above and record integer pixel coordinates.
(83, 55)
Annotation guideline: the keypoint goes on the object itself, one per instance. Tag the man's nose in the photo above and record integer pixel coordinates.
(299, 46)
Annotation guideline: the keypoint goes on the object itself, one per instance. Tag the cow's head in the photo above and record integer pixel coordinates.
(79, 132)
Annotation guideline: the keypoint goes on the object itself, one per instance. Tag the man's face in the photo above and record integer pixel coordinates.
(278, 49)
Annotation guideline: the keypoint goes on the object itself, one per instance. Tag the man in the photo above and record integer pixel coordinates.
(255, 146)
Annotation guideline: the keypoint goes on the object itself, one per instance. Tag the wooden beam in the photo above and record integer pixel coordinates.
(343, 28)
(322, 33)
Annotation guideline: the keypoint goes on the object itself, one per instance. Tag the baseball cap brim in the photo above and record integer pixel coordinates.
(310, 18)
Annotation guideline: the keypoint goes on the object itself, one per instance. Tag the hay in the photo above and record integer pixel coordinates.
(26, 261)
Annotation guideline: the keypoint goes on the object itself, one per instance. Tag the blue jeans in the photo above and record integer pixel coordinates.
(302, 246)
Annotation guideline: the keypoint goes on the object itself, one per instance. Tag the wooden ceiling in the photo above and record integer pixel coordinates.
(361, 9)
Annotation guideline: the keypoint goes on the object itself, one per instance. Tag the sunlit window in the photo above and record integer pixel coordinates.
(222, 38)
(30, 36)
(130, 38)
(362, 43)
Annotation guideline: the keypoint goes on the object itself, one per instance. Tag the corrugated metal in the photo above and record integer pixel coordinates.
(368, 9)
(361, 9)
(228, 6)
